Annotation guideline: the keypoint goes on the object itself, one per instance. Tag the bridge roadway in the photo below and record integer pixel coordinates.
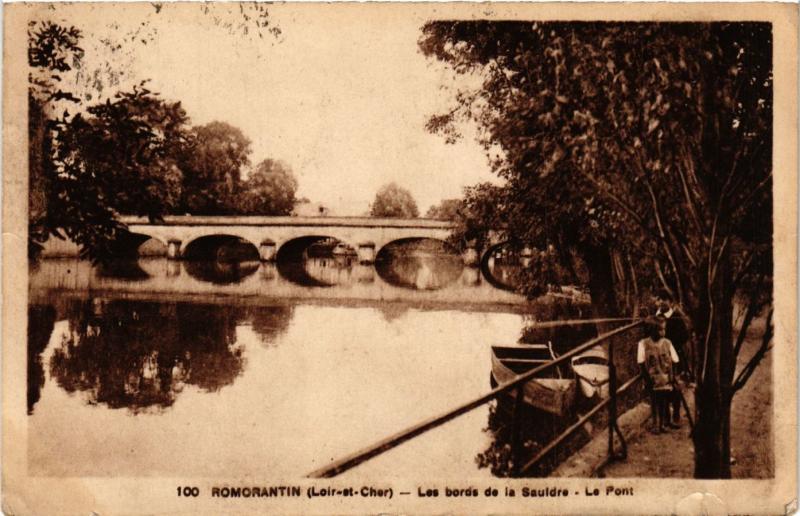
(269, 234)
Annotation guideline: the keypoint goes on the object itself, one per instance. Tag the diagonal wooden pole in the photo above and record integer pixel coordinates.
(354, 459)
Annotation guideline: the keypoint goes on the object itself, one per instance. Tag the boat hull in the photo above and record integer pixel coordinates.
(553, 395)
(593, 379)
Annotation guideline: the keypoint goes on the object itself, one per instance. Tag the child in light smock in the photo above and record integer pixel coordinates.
(656, 356)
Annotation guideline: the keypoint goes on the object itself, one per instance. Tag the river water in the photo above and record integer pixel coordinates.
(157, 367)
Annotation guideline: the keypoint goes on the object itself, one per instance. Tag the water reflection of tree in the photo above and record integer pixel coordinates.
(393, 311)
(269, 322)
(536, 429)
(139, 355)
(221, 272)
(41, 319)
(207, 333)
(123, 269)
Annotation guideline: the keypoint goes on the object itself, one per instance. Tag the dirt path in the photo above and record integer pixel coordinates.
(751, 416)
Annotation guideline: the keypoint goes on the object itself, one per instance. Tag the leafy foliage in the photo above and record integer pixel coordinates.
(269, 189)
(212, 169)
(52, 50)
(242, 19)
(119, 158)
(646, 148)
(446, 210)
(110, 158)
(394, 201)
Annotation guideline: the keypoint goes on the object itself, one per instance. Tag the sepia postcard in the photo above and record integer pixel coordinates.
(399, 258)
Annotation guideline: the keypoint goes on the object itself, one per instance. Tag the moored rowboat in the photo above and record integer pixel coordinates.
(591, 369)
(550, 393)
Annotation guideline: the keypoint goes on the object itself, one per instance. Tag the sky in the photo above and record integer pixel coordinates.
(341, 95)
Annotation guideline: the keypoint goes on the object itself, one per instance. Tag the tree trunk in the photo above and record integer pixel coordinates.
(712, 452)
(602, 289)
(601, 282)
(717, 363)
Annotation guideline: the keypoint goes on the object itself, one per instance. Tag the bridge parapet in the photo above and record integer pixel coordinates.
(364, 222)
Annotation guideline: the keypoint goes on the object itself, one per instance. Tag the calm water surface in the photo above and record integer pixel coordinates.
(177, 368)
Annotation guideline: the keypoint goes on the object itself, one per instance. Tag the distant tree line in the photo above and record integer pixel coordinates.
(133, 154)
(394, 201)
(447, 209)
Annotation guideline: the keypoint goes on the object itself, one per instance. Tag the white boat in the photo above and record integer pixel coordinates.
(549, 392)
(591, 369)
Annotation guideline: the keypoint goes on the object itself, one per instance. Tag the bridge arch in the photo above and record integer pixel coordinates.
(294, 248)
(332, 252)
(220, 247)
(421, 263)
(493, 248)
(485, 264)
(152, 246)
(130, 245)
(413, 239)
(220, 258)
(126, 249)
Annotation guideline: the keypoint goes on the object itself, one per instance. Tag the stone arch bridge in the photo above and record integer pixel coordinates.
(269, 234)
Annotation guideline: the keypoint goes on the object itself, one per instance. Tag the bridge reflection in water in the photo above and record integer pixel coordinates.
(424, 281)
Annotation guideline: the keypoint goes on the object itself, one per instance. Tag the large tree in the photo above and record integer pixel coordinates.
(90, 163)
(269, 189)
(212, 169)
(646, 149)
(394, 201)
(118, 158)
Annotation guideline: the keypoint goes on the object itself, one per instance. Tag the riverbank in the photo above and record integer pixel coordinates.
(752, 446)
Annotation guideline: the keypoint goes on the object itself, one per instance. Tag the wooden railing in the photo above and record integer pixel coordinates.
(343, 464)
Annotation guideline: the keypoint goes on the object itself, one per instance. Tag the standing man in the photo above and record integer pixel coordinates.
(677, 333)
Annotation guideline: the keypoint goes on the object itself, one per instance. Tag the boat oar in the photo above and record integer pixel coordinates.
(575, 322)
